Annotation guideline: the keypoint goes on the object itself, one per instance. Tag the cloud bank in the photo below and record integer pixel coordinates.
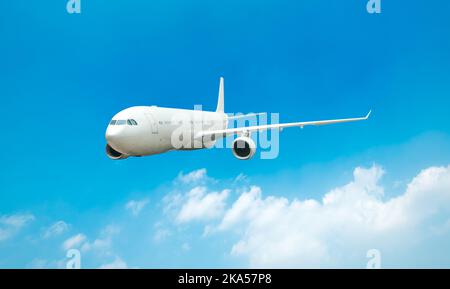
(199, 217)
(336, 230)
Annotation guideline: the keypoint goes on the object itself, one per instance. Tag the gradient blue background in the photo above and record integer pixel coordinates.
(62, 78)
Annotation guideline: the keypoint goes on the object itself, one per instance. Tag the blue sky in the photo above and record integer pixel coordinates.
(62, 78)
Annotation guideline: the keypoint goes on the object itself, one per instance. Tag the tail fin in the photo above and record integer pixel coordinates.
(220, 101)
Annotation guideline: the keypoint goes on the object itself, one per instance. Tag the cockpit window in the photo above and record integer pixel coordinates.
(123, 122)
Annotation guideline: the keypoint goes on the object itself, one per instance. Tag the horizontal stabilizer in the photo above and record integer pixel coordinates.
(234, 117)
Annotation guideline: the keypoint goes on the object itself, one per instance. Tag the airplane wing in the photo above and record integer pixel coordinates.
(249, 129)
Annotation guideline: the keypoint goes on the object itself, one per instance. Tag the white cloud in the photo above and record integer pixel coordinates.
(118, 263)
(240, 178)
(276, 232)
(103, 244)
(96, 245)
(243, 208)
(74, 241)
(192, 177)
(161, 234)
(17, 221)
(185, 247)
(12, 224)
(98, 250)
(135, 207)
(201, 205)
(55, 229)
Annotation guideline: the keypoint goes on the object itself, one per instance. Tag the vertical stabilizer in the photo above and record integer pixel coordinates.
(220, 101)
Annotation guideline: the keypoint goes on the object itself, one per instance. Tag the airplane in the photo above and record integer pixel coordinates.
(148, 130)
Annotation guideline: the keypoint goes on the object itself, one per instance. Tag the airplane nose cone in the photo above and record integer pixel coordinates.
(114, 136)
(109, 135)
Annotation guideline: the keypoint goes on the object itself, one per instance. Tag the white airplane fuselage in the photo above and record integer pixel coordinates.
(149, 130)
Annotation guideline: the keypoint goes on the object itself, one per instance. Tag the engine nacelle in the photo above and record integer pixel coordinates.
(243, 148)
(113, 154)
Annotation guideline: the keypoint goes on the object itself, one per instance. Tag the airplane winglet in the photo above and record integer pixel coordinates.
(367, 116)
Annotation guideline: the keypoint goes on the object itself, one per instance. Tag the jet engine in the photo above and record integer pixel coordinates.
(113, 154)
(243, 148)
